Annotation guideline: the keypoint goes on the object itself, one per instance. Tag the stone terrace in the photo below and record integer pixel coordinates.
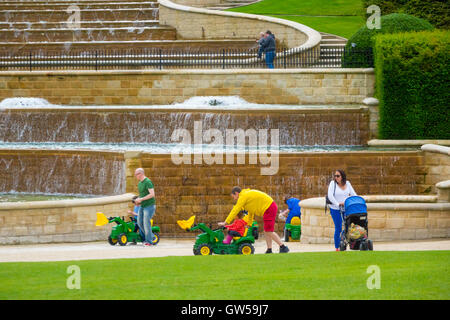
(42, 26)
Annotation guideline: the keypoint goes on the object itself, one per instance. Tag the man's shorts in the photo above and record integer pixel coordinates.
(269, 217)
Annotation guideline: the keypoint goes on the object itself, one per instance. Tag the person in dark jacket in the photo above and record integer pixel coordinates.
(269, 47)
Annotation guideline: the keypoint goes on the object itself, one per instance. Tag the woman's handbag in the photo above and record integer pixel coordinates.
(327, 200)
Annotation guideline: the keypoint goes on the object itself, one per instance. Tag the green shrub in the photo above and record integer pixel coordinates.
(412, 81)
(362, 40)
(437, 12)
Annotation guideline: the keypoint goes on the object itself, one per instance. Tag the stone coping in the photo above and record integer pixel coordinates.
(190, 72)
(391, 203)
(5, 206)
(431, 145)
(313, 36)
(443, 184)
(251, 110)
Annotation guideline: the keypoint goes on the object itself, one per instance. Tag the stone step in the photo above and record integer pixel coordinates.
(83, 6)
(88, 34)
(85, 15)
(180, 45)
(333, 41)
(83, 24)
(9, 2)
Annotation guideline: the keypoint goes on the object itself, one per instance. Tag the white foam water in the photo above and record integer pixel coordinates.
(24, 103)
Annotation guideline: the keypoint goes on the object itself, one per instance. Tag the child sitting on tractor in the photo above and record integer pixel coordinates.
(236, 229)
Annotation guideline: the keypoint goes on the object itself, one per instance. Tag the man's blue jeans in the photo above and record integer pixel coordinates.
(270, 55)
(145, 214)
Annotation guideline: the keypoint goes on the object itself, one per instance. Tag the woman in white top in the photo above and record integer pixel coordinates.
(338, 190)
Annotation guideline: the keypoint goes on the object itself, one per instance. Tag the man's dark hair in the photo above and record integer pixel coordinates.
(134, 198)
(286, 198)
(236, 190)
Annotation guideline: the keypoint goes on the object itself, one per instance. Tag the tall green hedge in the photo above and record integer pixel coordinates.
(363, 39)
(413, 85)
(435, 11)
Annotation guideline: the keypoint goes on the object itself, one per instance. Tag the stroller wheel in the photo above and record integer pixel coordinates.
(370, 245)
(363, 246)
(342, 246)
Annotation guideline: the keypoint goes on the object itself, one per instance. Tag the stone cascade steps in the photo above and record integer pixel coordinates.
(82, 6)
(54, 15)
(88, 34)
(83, 25)
(8, 49)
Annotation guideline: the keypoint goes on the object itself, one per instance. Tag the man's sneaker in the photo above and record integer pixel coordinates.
(284, 249)
(269, 251)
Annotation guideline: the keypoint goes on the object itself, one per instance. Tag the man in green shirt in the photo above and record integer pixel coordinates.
(147, 203)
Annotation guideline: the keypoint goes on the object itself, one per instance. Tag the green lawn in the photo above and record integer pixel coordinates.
(340, 17)
(327, 275)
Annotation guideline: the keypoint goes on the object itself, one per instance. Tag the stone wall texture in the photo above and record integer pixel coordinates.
(203, 190)
(386, 222)
(293, 86)
(58, 221)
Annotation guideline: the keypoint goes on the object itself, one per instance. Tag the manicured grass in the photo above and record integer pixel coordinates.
(327, 275)
(340, 17)
(341, 26)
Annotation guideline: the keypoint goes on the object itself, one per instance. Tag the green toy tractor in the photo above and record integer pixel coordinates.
(211, 241)
(124, 232)
(293, 230)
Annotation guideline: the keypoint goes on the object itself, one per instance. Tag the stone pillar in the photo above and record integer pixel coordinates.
(372, 104)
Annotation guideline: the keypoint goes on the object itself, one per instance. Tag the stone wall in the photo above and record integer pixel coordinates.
(293, 86)
(58, 221)
(203, 190)
(199, 23)
(386, 221)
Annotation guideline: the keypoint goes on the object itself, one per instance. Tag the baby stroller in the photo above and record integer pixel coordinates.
(354, 217)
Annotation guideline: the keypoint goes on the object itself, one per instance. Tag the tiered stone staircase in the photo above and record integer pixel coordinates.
(62, 25)
(331, 49)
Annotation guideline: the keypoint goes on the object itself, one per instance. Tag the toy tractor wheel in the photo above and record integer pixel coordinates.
(112, 241)
(205, 250)
(246, 249)
(156, 240)
(123, 239)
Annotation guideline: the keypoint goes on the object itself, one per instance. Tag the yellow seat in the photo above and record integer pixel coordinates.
(245, 234)
(295, 221)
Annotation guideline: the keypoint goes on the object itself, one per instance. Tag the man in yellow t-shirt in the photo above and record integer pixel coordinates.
(258, 203)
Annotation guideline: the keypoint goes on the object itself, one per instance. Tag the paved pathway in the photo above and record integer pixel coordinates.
(172, 247)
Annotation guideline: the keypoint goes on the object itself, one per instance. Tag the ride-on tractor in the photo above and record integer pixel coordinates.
(293, 230)
(211, 241)
(124, 232)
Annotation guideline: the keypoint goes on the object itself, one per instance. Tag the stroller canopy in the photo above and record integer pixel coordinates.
(355, 205)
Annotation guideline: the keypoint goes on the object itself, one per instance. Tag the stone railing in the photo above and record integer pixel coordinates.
(199, 23)
(58, 220)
